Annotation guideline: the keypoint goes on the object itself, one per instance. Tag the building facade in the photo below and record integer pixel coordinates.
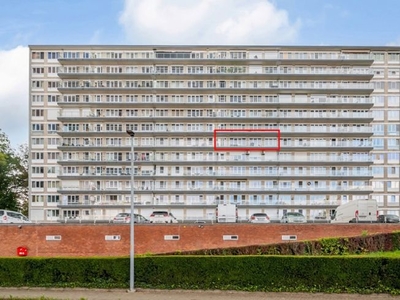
(271, 129)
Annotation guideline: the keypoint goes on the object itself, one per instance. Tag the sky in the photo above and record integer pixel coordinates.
(180, 22)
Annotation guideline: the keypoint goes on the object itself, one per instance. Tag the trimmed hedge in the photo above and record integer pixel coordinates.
(248, 273)
(68, 272)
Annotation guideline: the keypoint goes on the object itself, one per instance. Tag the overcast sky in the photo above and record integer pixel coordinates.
(191, 22)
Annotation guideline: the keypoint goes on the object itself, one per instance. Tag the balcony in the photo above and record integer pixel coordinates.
(216, 189)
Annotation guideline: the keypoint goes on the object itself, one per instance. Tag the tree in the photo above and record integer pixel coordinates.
(13, 176)
(22, 178)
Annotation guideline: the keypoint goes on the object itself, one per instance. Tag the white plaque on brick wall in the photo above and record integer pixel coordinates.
(112, 237)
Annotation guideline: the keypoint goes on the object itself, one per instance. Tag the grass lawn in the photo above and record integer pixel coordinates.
(384, 254)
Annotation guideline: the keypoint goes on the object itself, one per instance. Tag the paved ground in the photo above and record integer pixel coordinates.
(144, 294)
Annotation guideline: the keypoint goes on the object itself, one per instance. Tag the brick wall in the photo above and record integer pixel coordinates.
(89, 239)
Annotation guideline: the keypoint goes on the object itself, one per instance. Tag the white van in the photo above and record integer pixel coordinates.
(226, 213)
(356, 211)
(10, 217)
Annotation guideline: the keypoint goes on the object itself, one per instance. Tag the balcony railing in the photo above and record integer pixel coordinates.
(217, 189)
(225, 87)
(250, 100)
(211, 53)
(62, 72)
(244, 116)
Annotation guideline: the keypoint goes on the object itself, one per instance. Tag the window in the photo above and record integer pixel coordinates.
(379, 56)
(195, 98)
(37, 141)
(271, 70)
(378, 114)
(51, 170)
(195, 84)
(37, 98)
(379, 85)
(379, 72)
(37, 127)
(393, 157)
(37, 70)
(378, 129)
(53, 184)
(52, 155)
(393, 171)
(53, 70)
(37, 170)
(113, 127)
(52, 55)
(37, 55)
(37, 184)
(147, 127)
(394, 101)
(394, 115)
(113, 98)
(37, 155)
(162, 98)
(71, 98)
(177, 69)
(37, 84)
(70, 54)
(377, 171)
(393, 85)
(378, 100)
(53, 98)
(52, 128)
(378, 143)
(161, 69)
(52, 213)
(132, 98)
(394, 57)
(194, 113)
(52, 84)
(37, 112)
(37, 198)
(393, 129)
(393, 144)
(53, 198)
(195, 69)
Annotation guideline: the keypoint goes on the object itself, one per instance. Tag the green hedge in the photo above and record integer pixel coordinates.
(365, 243)
(69, 272)
(247, 273)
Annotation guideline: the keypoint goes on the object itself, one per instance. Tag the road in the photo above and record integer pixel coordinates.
(147, 294)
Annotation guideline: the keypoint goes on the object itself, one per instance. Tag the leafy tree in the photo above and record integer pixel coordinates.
(22, 178)
(13, 176)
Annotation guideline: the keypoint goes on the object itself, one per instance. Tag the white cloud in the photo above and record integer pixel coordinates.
(14, 93)
(207, 22)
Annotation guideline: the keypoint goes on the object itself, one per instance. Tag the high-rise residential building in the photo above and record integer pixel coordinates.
(272, 129)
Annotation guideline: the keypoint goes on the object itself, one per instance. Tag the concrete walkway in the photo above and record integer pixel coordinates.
(147, 294)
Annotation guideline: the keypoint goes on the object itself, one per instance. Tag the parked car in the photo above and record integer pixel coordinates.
(259, 218)
(162, 217)
(388, 219)
(293, 217)
(10, 217)
(126, 218)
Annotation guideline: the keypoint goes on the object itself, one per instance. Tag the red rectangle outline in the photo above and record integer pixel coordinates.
(278, 148)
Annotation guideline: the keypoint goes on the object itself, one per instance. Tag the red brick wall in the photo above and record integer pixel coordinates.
(89, 239)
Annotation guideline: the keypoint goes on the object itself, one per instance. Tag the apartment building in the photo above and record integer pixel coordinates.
(272, 129)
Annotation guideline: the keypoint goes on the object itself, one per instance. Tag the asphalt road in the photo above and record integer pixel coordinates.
(147, 294)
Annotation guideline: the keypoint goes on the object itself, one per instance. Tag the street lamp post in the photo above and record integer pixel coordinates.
(132, 223)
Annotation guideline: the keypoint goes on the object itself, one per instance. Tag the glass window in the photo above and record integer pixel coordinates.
(393, 115)
(394, 101)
